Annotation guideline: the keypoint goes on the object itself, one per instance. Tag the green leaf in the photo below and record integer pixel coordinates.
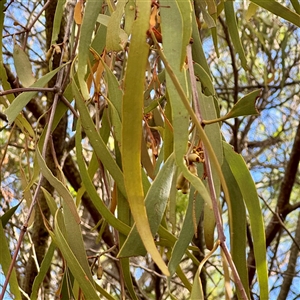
(252, 8)
(237, 224)
(197, 291)
(96, 140)
(59, 186)
(60, 6)
(83, 277)
(296, 6)
(192, 215)
(130, 10)
(245, 106)
(280, 10)
(5, 260)
(177, 90)
(128, 278)
(233, 31)
(45, 265)
(116, 37)
(21, 101)
(91, 12)
(23, 66)
(50, 201)
(249, 193)
(205, 79)
(8, 214)
(103, 19)
(197, 49)
(91, 190)
(155, 201)
(132, 116)
(70, 214)
(206, 16)
(185, 10)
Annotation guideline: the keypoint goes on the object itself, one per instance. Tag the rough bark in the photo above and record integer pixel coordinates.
(289, 274)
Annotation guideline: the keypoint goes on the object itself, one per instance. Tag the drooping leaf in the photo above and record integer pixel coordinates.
(21, 101)
(96, 140)
(252, 8)
(155, 201)
(237, 224)
(91, 12)
(91, 190)
(193, 213)
(57, 20)
(23, 66)
(116, 38)
(197, 48)
(280, 10)
(44, 268)
(132, 129)
(185, 10)
(233, 31)
(205, 80)
(5, 260)
(78, 271)
(180, 115)
(58, 185)
(249, 193)
(197, 290)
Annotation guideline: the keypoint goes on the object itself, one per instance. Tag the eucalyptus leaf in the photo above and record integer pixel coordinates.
(155, 202)
(21, 101)
(23, 66)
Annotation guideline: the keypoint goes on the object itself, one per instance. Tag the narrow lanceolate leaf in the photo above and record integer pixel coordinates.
(21, 101)
(157, 197)
(81, 275)
(71, 218)
(116, 37)
(197, 291)
(180, 116)
(96, 140)
(185, 9)
(249, 193)
(91, 12)
(23, 66)
(281, 10)
(195, 209)
(233, 31)
(4, 219)
(132, 116)
(58, 185)
(44, 268)
(5, 259)
(237, 224)
(91, 190)
(60, 6)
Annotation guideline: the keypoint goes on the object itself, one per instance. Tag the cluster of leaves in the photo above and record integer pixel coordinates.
(147, 121)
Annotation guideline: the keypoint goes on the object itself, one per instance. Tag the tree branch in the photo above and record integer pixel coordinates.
(283, 206)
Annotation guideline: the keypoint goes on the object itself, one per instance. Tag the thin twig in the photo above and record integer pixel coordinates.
(28, 28)
(57, 89)
(29, 89)
(281, 222)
